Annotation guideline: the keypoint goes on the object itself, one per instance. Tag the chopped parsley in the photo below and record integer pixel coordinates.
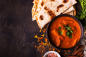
(69, 31)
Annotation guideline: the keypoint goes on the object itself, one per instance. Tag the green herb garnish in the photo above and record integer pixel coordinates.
(59, 27)
(69, 31)
(67, 27)
(82, 14)
(70, 36)
(60, 32)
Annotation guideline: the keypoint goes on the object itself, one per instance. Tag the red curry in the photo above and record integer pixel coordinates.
(63, 40)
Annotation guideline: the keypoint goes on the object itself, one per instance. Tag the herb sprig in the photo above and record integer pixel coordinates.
(69, 31)
(82, 14)
(59, 31)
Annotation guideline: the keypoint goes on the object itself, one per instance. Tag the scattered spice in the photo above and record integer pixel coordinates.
(53, 49)
(40, 31)
(46, 40)
(43, 45)
(35, 36)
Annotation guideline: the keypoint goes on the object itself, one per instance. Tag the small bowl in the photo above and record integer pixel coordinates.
(52, 52)
(82, 33)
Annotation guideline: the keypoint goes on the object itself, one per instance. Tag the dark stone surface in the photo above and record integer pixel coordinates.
(17, 29)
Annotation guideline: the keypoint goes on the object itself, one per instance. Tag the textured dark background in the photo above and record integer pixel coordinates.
(17, 29)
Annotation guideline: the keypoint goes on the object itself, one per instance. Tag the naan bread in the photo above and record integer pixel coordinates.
(34, 13)
(73, 13)
(69, 10)
(45, 10)
(36, 8)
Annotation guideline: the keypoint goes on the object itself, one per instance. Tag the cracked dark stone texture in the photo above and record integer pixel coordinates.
(17, 29)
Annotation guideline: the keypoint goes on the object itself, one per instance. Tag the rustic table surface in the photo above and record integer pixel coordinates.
(17, 29)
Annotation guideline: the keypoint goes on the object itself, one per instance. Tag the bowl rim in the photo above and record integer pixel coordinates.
(82, 32)
(51, 52)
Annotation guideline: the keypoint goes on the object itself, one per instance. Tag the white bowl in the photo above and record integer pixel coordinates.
(51, 52)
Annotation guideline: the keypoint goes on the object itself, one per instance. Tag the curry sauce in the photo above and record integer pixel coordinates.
(63, 39)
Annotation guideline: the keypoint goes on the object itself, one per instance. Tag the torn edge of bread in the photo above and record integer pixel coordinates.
(69, 10)
(34, 9)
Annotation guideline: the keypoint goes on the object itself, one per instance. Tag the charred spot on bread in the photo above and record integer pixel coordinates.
(41, 17)
(45, 8)
(65, 1)
(59, 7)
(42, 3)
(50, 12)
(52, 0)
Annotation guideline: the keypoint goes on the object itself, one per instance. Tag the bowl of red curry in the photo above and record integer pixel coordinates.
(65, 31)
